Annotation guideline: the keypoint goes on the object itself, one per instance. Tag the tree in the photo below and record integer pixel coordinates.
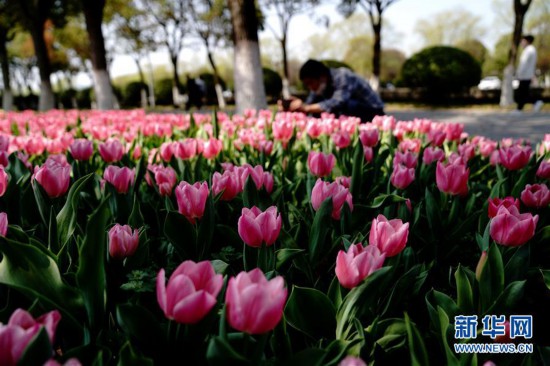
(5, 36)
(93, 13)
(172, 19)
(507, 92)
(475, 48)
(375, 9)
(285, 11)
(248, 79)
(450, 28)
(33, 15)
(212, 24)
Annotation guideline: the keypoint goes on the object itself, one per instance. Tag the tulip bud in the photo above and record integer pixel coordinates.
(353, 266)
(192, 200)
(120, 178)
(256, 227)
(54, 176)
(535, 195)
(123, 242)
(510, 228)
(320, 164)
(111, 151)
(3, 181)
(481, 264)
(389, 236)
(82, 149)
(3, 224)
(452, 177)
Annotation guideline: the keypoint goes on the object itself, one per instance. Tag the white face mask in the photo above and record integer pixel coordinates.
(322, 87)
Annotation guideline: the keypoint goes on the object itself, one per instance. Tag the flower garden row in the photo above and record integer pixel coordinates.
(266, 238)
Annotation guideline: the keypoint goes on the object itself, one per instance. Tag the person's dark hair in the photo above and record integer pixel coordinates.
(529, 38)
(313, 69)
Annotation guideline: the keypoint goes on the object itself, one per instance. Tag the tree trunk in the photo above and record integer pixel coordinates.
(7, 97)
(507, 91)
(46, 100)
(217, 85)
(248, 75)
(376, 53)
(143, 90)
(176, 89)
(286, 87)
(93, 12)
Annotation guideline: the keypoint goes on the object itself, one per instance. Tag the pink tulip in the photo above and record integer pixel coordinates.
(536, 195)
(254, 304)
(111, 151)
(268, 182)
(3, 181)
(70, 362)
(341, 139)
(4, 143)
(256, 227)
(191, 291)
(452, 177)
(320, 164)
(339, 194)
(389, 236)
(21, 328)
(510, 228)
(402, 176)
(54, 175)
(343, 181)
(166, 180)
(368, 153)
(514, 157)
(35, 145)
(369, 135)
(3, 224)
(543, 170)
(410, 145)
(496, 203)
(407, 159)
(432, 154)
(120, 178)
(166, 151)
(353, 266)
(82, 149)
(4, 158)
(192, 200)
(256, 174)
(228, 183)
(185, 149)
(436, 137)
(352, 361)
(123, 242)
(212, 148)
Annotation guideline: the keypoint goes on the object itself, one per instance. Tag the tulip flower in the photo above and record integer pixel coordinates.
(389, 236)
(268, 182)
(111, 151)
(192, 200)
(3, 223)
(54, 175)
(407, 159)
(535, 195)
(341, 139)
(4, 142)
(352, 361)
(21, 328)
(185, 149)
(495, 203)
(436, 137)
(228, 183)
(402, 176)
(120, 178)
(510, 228)
(82, 149)
(256, 227)
(166, 151)
(3, 181)
(543, 170)
(339, 194)
(353, 266)
(368, 153)
(123, 242)
(369, 135)
(320, 164)
(452, 177)
(514, 157)
(166, 180)
(212, 148)
(254, 304)
(432, 154)
(191, 291)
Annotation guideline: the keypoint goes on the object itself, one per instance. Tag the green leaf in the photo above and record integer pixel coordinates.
(136, 218)
(220, 352)
(483, 241)
(491, 282)
(219, 266)
(433, 212)
(465, 296)
(38, 351)
(508, 299)
(250, 193)
(406, 287)
(66, 218)
(41, 202)
(417, 349)
(335, 292)
(546, 277)
(205, 233)
(386, 199)
(90, 275)
(33, 271)
(521, 182)
(319, 320)
(286, 254)
(308, 356)
(444, 326)
(182, 234)
(319, 230)
(128, 357)
(357, 170)
(517, 266)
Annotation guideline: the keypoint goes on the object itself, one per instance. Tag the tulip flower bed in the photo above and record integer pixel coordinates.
(263, 238)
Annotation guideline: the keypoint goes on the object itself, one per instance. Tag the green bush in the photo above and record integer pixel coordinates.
(441, 70)
(163, 92)
(273, 83)
(131, 94)
(208, 79)
(84, 98)
(335, 64)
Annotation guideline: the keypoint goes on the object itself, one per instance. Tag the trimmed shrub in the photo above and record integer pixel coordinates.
(131, 95)
(273, 83)
(163, 92)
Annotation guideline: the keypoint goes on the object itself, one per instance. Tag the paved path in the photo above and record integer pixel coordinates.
(489, 123)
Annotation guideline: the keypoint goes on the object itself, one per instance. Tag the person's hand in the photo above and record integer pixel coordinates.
(295, 105)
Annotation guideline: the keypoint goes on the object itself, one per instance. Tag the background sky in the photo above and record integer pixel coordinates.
(400, 19)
